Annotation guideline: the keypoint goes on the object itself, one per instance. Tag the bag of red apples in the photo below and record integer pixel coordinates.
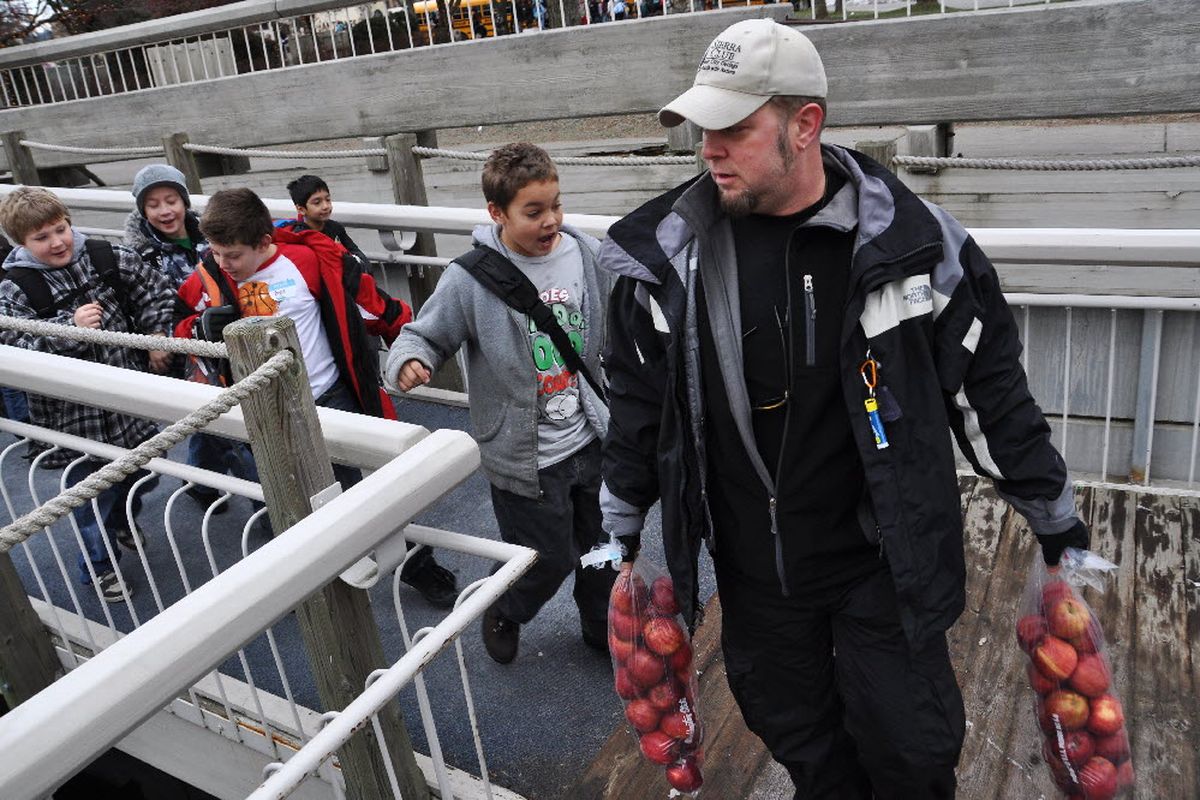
(652, 666)
(1083, 726)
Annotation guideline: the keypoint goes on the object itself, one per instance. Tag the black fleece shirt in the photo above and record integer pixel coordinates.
(792, 288)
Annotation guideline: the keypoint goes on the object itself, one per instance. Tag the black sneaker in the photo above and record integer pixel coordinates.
(500, 636)
(435, 583)
(595, 634)
(206, 497)
(125, 538)
(110, 588)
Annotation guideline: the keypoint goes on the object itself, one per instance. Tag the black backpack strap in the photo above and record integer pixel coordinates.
(103, 256)
(502, 278)
(37, 292)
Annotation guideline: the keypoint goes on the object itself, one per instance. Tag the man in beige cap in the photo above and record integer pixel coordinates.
(791, 335)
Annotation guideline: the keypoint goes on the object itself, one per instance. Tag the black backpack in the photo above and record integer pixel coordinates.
(37, 292)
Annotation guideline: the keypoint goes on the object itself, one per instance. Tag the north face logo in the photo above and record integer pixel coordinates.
(918, 295)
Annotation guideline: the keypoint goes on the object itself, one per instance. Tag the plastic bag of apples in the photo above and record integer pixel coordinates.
(1082, 723)
(652, 667)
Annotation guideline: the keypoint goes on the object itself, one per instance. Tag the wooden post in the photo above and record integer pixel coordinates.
(20, 159)
(408, 189)
(28, 662)
(882, 150)
(183, 160)
(339, 631)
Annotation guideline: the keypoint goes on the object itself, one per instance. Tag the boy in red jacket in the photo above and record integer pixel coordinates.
(263, 271)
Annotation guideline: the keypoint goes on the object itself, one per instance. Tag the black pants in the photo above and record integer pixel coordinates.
(562, 525)
(836, 693)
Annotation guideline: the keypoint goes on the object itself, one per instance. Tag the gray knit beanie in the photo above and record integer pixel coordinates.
(152, 175)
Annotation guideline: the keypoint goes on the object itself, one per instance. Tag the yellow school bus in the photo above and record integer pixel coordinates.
(470, 19)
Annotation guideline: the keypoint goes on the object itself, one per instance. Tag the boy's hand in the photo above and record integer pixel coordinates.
(160, 360)
(412, 375)
(88, 316)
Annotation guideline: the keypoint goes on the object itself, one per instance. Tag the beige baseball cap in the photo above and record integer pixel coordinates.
(744, 67)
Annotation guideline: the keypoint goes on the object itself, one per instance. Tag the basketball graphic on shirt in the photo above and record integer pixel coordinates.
(255, 300)
(562, 406)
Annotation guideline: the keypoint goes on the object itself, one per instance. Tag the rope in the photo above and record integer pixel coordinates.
(139, 341)
(58, 507)
(93, 151)
(236, 151)
(595, 161)
(1162, 162)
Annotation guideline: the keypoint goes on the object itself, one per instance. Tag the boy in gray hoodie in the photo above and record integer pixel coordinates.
(538, 423)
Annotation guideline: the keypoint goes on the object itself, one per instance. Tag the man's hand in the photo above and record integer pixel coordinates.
(1053, 544)
(89, 316)
(412, 375)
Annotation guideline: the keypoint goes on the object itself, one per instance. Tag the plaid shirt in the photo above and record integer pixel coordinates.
(149, 300)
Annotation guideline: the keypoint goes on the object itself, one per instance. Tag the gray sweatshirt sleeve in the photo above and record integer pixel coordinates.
(441, 327)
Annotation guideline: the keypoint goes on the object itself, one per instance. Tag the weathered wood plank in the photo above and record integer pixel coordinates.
(924, 69)
(1159, 709)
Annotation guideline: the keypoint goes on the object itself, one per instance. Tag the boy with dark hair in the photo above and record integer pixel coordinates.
(314, 207)
(264, 271)
(165, 232)
(536, 410)
(57, 274)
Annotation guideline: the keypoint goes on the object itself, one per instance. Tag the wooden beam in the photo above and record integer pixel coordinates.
(28, 663)
(993, 65)
(19, 158)
(339, 630)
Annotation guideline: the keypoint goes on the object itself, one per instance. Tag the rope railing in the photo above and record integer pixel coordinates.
(58, 507)
(253, 153)
(139, 341)
(600, 161)
(1048, 165)
(92, 151)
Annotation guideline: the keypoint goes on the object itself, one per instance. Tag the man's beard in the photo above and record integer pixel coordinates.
(738, 204)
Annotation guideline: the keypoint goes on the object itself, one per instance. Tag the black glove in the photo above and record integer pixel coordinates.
(1053, 544)
(212, 321)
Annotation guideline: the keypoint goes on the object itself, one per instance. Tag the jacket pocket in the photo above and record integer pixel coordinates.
(488, 426)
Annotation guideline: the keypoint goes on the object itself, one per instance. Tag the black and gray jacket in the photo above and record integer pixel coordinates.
(926, 302)
(176, 262)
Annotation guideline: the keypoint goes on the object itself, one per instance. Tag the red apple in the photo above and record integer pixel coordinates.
(1078, 746)
(681, 659)
(626, 688)
(642, 715)
(1040, 683)
(1115, 748)
(1125, 776)
(1070, 709)
(623, 626)
(685, 776)
(663, 635)
(1030, 631)
(659, 748)
(662, 597)
(629, 594)
(1098, 777)
(1088, 641)
(663, 696)
(1106, 717)
(645, 668)
(1054, 591)
(1068, 618)
(1091, 676)
(621, 649)
(679, 725)
(1055, 658)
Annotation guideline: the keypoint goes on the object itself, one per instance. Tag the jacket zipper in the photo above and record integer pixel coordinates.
(778, 547)
(810, 322)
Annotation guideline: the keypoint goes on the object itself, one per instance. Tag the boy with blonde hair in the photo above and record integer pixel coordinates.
(59, 275)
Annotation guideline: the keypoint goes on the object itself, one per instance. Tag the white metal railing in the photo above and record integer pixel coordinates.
(205, 46)
(125, 668)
